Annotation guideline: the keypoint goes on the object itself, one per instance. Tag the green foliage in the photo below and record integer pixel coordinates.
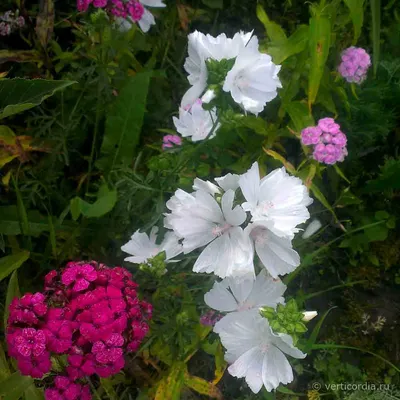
(18, 95)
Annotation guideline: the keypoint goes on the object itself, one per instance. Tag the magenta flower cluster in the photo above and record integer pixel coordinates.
(170, 141)
(328, 141)
(210, 318)
(89, 312)
(10, 22)
(132, 8)
(355, 64)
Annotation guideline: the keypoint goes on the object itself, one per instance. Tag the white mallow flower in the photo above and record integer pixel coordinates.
(228, 181)
(142, 247)
(256, 353)
(196, 122)
(146, 19)
(309, 315)
(200, 221)
(244, 294)
(204, 47)
(253, 81)
(275, 252)
(313, 227)
(278, 200)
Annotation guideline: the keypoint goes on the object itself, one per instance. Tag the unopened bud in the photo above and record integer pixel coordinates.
(309, 315)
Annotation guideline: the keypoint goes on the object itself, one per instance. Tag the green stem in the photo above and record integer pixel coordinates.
(94, 391)
(96, 129)
(338, 346)
(315, 294)
(309, 259)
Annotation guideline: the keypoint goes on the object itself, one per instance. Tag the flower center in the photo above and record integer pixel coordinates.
(259, 235)
(241, 81)
(264, 347)
(219, 230)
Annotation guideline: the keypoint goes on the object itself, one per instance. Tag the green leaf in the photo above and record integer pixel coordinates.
(14, 386)
(4, 367)
(9, 222)
(33, 393)
(17, 95)
(356, 8)
(314, 334)
(340, 173)
(300, 115)
(319, 43)
(124, 123)
(45, 22)
(10, 263)
(320, 196)
(293, 45)
(273, 30)
(21, 211)
(20, 56)
(12, 293)
(388, 179)
(218, 4)
(106, 384)
(105, 202)
(376, 31)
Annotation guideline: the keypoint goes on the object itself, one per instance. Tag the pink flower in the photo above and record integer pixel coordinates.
(311, 135)
(35, 367)
(64, 389)
(339, 139)
(80, 366)
(49, 280)
(110, 350)
(355, 64)
(210, 318)
(110, 368)
(79, 274)
(99, 3)
(170, 141)
(27, 309)
(135, 10)
(328, 125)
(118, 8)
(83, 5)
(30, 341)
(59, 335)
(139, 330)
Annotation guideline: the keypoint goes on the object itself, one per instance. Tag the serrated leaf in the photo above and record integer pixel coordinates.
(10, 263)
(17, 95)
(319, 43)
(124, 123)
(274, 31)
(356, 8)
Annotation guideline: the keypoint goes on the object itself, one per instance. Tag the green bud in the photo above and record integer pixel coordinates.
(291, 306)
(300, 328)
(217, 70)
(267, 312)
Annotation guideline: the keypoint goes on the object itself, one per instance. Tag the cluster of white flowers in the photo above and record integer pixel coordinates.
(230, 221)
(233, 65)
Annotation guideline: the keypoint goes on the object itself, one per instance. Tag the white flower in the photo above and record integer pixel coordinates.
(208, 96)
(253, 81)
(278, 200)
(206, 186)
(276, 253)
(196, 123)
(229, 181)
(203, 47)
(312, 228)
(235, 295)
(146, 20)
(309, 315)
(200, 221)
(256, 353)
(142, 247)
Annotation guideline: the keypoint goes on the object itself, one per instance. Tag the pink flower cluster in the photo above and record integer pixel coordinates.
(89, 312)
(328, 140)
(132, 8)
(355, 64)
(170, 141)
(10, 22)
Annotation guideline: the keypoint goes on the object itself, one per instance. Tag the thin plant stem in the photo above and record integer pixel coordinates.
(315, 294)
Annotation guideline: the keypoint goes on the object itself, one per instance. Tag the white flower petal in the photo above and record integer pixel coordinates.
(249, 183)
(206, 186)
(146, 21)
(234, 216)
(228, 181)
(220, 298)
(314, 226)
(153, 3)
(275, 369)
